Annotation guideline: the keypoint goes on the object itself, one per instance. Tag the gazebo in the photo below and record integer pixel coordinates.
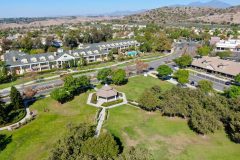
(107, 93)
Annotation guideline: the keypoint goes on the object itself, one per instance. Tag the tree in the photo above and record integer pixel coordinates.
(233, 127)
(205, 86)
(183, 61)
(61, 95)
(82, 83)
(233, 92)
(103, 75)
(16, 98)
(119, 77)
(80, 143)
(175, 102)
(224, 54)
(36, 51)
(141, 66)
(149, 101)
(204, 50)
(182, 76)
(164, 71)
(133, 153)
(204, 122)
(69, 83)
(26, 43)
(237, 78)
(4, 77)
(110, 56)
(3, 114)
(4, 141)
(52, 49)
(103, 147)
(82, 62)
(29, 92)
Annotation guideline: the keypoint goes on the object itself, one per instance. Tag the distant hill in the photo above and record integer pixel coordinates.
(168, 15)
(209, 4)
(212, 4)
(124, 13)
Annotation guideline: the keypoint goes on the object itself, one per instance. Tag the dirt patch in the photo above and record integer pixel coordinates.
(130, 142)
(175, 144)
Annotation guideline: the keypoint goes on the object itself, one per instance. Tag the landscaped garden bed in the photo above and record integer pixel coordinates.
(112, 103)
(15, 116)
(94, 98)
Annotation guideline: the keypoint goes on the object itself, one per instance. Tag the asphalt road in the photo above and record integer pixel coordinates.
(218, 85)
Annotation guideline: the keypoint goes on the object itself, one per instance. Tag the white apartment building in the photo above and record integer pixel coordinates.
(228, 45)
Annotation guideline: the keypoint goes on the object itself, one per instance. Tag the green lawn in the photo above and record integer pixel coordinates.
(168, 138)
(137, 85)
(35, 140)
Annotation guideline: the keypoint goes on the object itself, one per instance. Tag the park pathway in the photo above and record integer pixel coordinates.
(101, 119)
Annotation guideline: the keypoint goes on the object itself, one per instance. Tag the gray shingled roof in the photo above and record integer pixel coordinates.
(19, 56)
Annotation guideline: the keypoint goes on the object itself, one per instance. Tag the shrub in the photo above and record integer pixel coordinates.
(61, 95)
(119, 77)
(16, 98)
(107, 104)
(233, 127)
(204, 122)
(80, 143)
(94, 98)
(183, 61)
(164, 71)
(103, 147)
(149, 101)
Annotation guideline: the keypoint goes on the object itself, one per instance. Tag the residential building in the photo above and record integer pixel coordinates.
(228, 45)
(215, 65)
(214, 40)
(20, 62)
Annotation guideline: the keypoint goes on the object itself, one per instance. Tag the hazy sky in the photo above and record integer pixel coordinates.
(35, 8)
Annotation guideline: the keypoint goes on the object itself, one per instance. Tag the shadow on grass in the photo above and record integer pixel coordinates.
(4, 141)
(119, 143)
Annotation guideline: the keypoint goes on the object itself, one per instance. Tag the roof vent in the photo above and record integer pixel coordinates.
(14, 59)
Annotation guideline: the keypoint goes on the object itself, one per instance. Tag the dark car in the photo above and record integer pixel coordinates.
(192, 83)
(150, 68)
(228, 83)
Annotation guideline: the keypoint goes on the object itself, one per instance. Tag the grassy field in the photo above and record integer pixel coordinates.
(168, 138)
(35, 140)
(137, 85)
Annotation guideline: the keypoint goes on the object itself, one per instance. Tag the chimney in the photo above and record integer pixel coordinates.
(14, 59)
(55, 53)
(70, 51)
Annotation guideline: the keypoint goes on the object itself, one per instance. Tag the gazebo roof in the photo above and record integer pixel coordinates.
(106, 92)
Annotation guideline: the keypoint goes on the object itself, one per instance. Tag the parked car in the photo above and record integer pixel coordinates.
(228, 83)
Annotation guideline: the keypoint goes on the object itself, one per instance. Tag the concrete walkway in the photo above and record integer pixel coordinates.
(101, 119)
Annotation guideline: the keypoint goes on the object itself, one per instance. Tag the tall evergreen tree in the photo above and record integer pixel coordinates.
(16, 98)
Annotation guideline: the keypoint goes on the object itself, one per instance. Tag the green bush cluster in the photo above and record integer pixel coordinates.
(80, 143)
(107, 104)
(206, 112)
(72, 86)
(13, 112)
(94, 98)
